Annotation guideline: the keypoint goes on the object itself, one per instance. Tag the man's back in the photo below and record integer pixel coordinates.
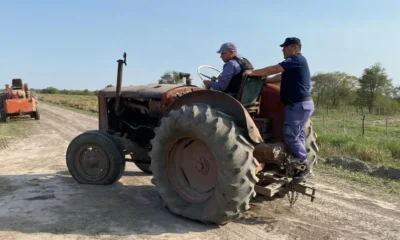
(296, 79)
(231, 76)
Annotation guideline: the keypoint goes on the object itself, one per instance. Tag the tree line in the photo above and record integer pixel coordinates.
(334, 89)
(53, 90)
(331, 89)
(372, 89)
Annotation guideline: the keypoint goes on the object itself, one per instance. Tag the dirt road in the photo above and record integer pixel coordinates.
(40, 200)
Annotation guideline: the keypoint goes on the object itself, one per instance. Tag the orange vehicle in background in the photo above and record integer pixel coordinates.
(18, 101)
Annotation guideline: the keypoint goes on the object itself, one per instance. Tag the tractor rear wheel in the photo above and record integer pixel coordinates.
(202, 165)
(311, 144)
(93, 157)
(36, 114)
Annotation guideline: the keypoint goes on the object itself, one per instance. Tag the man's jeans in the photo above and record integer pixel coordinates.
(294, 135)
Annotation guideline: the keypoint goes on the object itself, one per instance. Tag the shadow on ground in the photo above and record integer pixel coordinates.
(22, 118)
(55, 203)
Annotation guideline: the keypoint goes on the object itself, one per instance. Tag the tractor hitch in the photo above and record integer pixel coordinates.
(272, 183)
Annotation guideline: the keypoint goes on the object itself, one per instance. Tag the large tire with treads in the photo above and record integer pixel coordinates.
(104, 152)
(229, 169)
(311, 144)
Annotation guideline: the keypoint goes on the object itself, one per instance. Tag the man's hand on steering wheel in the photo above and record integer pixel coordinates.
(207, 83)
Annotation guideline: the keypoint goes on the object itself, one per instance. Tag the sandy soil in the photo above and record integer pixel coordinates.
(40, 200)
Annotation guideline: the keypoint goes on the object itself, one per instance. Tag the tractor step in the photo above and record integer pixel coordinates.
(272, 183)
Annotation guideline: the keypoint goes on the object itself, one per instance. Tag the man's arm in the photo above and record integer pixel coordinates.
(275, 79)
(291, 62)
(223, 80)
(271, 70)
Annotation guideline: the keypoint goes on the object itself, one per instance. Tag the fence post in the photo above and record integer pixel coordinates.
(344, 128)
(386, 126)
(363, 119)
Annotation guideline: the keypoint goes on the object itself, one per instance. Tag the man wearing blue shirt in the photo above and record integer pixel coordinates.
(231, 76)
(294, 75)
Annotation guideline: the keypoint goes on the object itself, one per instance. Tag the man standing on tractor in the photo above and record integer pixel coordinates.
(295, 79)
(231, 76)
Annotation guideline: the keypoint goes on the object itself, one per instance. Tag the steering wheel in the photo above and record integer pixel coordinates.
(204, 75)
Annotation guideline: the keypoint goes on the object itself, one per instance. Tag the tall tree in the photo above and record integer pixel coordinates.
(319, 82)
(333, 88)
(171, 77)
(396, 93)
(374, 82)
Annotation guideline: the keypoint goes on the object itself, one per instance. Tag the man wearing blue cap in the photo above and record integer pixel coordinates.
(231, 76)
(294, 75)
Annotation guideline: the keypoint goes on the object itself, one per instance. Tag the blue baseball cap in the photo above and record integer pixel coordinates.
(227, 47)
(291, 40)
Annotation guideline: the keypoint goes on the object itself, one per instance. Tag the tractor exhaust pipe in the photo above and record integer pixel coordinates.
(119, 83)
(187, 76)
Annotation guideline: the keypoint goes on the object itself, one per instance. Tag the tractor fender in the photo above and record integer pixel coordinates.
(226, 104)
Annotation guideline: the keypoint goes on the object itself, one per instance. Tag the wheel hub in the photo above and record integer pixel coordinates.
(192, 170)
(202, 166)
(93, 163)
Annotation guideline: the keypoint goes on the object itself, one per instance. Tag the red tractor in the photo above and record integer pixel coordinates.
(209, 153)
(17, 101)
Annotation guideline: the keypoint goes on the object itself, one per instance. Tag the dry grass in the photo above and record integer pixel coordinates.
(16, 128)
(82, 102)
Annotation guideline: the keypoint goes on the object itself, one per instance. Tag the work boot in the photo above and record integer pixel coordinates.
(302, 174)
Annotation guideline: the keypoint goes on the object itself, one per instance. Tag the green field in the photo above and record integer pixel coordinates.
(341, 133)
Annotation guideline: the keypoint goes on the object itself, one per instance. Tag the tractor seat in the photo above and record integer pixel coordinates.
(250, 93)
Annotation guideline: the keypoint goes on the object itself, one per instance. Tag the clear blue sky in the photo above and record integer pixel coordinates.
(75, 44)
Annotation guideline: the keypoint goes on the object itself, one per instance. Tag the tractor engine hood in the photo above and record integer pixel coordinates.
(153, 91)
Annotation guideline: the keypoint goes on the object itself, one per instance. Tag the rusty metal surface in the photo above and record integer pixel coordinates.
(102, 108)
(154, 106)
(271, 183)
(167, 93)
(137, 151)
(225, 103)
(171, 96)
(142, 91)
(270, 152)
(192, 170)
(272, 108)
(260, 167)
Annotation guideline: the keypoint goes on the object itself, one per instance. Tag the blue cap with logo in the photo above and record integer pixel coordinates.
(291, 40)
(229, 46)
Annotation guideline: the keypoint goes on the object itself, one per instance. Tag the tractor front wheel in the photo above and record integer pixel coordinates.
(94, 158)
(202, 165)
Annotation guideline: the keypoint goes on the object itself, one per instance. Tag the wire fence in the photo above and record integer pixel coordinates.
(381, 122)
